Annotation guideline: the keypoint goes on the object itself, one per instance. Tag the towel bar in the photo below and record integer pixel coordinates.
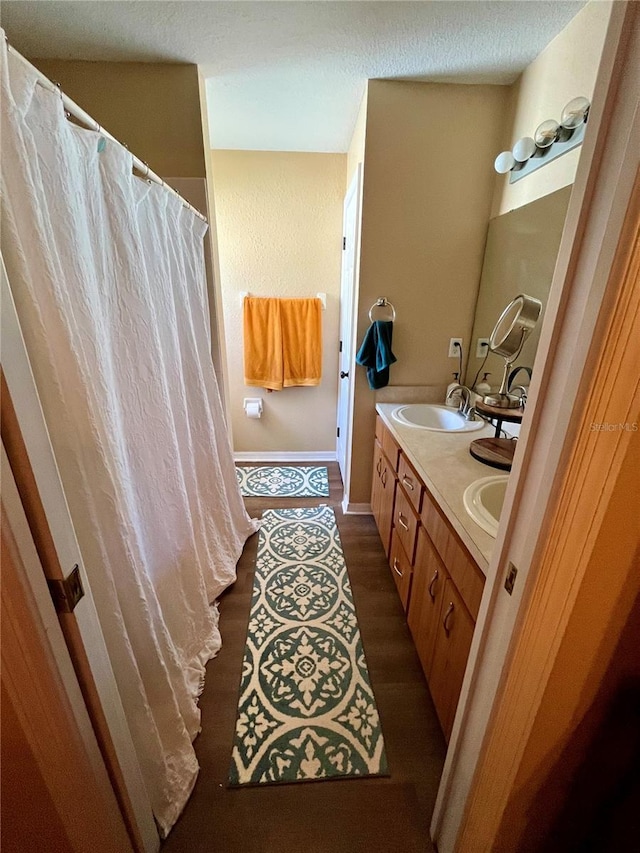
(321, 296)
(383, 302)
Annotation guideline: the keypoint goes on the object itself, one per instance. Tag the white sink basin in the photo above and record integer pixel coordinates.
(435, 418)
(483, 501)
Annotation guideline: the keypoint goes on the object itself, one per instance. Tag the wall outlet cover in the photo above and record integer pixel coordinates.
(482, 347)
(454, 350)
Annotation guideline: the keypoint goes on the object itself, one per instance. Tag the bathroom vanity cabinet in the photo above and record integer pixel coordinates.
(439, 583)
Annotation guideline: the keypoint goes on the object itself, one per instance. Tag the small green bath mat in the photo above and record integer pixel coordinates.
(306, 709)
(283, 481)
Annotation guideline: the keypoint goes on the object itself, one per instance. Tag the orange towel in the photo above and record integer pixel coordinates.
(282, 342)
(262, 343)
(301, 321)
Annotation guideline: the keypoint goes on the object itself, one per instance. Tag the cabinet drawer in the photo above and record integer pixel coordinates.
(380, 428)
(410, 482)
(390, 447)
(405, 522)
(461, 566)
(400, 569)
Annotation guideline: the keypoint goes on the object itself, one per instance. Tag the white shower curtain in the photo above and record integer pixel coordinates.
(108, 276)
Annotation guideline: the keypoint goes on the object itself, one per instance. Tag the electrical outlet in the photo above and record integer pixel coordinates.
(455, 347)
(482, 347)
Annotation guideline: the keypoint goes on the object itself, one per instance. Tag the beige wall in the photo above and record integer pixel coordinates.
(154, 108)
(565, 69)
(159, 111)
(355, 154)
(218, 342)
(426, 201)
(279, 218)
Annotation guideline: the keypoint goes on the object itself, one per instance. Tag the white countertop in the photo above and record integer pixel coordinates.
(443, 461)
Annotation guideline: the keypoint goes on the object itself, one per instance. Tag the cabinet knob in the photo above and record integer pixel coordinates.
(445, 621)
(344, 374)
(402, 522)
(395, 567)
(408, 482)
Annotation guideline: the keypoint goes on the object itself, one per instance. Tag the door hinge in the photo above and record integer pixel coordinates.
(338, 432)
(68, 592)
(510, 580)
(344, 243)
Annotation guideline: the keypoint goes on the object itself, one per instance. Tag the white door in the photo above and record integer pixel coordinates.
(346, 362)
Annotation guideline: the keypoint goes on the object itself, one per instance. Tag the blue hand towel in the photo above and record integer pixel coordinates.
(375, 353)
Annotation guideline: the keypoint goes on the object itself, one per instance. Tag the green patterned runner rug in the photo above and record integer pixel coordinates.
(306, 708)
(283, 481)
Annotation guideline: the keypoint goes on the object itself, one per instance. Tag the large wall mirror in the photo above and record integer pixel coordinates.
(520, 257)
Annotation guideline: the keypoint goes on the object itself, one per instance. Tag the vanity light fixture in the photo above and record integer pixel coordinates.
(524, 149)
(550, 140)
(504, 162)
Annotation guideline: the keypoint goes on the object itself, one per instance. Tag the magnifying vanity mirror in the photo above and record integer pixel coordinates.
(514, 326)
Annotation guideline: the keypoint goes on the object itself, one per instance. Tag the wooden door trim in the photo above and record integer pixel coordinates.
(596, 459)
(565, 360)
(41, 687)
(30, 455)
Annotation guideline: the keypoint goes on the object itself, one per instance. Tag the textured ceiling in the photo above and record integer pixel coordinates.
(290, 75)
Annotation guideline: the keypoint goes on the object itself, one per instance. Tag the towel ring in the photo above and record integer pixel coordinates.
(383, 302)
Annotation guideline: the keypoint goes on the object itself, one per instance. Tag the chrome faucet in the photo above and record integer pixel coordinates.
(465, 408)
(523, 393)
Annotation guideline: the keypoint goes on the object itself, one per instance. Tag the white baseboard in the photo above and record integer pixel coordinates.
(355, 509)
(285, 456)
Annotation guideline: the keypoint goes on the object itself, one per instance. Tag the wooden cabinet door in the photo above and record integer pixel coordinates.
(401, 569)
(429, 576)
(389, 480)
(450, 652)
(376, 485)
(383, 495)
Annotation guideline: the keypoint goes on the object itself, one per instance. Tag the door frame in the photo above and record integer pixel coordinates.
(587, 581)
(582, 302)
(30, 455)
(349, 295)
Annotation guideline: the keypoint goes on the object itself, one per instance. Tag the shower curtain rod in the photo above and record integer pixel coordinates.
(78, 113)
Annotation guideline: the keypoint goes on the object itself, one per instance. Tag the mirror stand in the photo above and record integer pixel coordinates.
(502, 399)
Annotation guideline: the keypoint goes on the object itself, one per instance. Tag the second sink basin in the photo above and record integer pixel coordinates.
(483, 500)
(435, 418)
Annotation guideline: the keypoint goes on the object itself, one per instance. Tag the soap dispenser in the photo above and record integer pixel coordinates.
(483, 388)
(456, 397)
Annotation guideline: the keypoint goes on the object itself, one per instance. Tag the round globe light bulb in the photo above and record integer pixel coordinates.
(575, 113)
(504, 162)
(523, 149)
(546, 133)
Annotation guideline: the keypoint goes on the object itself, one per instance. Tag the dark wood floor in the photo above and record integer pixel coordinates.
(348, 816)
